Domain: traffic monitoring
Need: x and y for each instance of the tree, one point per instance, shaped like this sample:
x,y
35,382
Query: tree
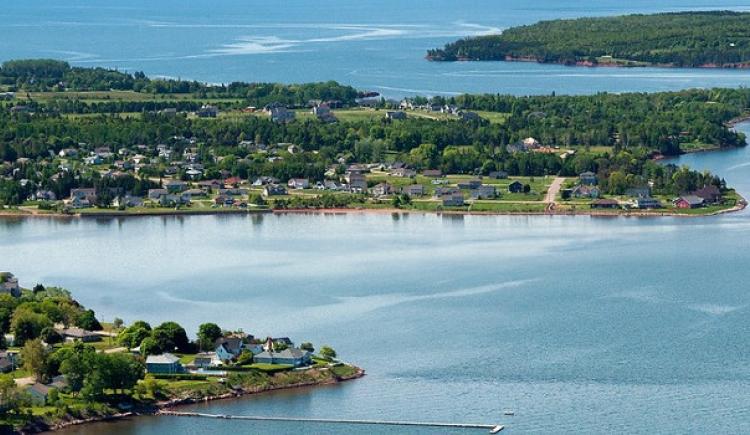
x,y
307,346
327,352
208,333
27,325
170,335
133,335
50,336
121,370
117,323
38,289
35,359
8,393
87,320
149,346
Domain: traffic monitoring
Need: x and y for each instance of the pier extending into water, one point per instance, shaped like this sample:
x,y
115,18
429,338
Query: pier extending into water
x,y
493,428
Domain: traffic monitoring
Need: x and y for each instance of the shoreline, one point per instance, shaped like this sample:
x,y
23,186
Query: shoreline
x,y
741,205
162,408
624,63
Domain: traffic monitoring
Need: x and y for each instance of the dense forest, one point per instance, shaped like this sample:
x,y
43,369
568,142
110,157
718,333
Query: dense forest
x,y
53,75
684,39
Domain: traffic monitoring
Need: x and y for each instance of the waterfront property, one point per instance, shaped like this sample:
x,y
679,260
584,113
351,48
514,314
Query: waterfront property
x,y
165,363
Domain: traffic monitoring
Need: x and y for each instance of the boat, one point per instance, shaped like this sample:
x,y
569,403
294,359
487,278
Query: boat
x,y
497,428
509,412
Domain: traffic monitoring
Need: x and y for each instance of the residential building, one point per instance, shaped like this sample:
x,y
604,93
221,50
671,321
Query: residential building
x,y
688,201
515,187
413,190
206,360
382,189
79,334
299,183
357,181
485,191
710,194
165,363
228,348
605,203
39,393
432,173
273,190
647,202
291,356
455,199
392,115
208,111
498,175
281,115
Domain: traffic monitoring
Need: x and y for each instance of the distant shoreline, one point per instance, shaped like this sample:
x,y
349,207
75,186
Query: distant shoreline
x,y
741,205
620,63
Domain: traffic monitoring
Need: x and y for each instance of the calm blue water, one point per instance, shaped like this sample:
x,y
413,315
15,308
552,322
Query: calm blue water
x,y
376,45
579,324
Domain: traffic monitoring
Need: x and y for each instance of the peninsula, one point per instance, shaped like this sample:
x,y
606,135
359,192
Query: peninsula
x,y
60,366
97,142
716,39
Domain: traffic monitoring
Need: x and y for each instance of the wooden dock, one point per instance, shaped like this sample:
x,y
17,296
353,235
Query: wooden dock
x,y
494,428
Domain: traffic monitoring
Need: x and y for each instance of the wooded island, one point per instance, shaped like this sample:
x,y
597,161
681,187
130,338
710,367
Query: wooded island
x,y
685,39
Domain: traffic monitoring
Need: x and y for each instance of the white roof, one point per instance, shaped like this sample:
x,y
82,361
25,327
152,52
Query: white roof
x,y
165,358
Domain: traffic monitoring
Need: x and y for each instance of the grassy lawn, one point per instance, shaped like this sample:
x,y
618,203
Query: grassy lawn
x,y
270,368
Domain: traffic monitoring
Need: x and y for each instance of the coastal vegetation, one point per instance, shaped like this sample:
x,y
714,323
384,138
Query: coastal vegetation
x,y
60,365
682,39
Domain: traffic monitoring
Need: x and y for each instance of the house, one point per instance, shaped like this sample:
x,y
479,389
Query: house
x,y
208,111
605,203
206,360
175,186
413,190
273,190
525,145
382,189
93,160
585,191
9,284
83,194
392,115
299,183
323,113
228,348
171,200
432,173
79,334
710,194
484,192
515,187
38,393
128,201
45,195
286,341
357,181
281,115
165,363
455,199
498,175
588,178
688,201
60,382
647,202
291,356
471,184
156,194
403,173
637,192
232,182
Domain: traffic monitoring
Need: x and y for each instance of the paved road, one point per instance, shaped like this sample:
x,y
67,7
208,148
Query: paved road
x,y
554,188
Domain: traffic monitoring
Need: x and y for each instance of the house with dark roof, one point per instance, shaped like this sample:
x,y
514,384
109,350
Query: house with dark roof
x,y
455,199
710,194
605,203
79,334
515,187
485,191
413,190
291,356
228,348
646,203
